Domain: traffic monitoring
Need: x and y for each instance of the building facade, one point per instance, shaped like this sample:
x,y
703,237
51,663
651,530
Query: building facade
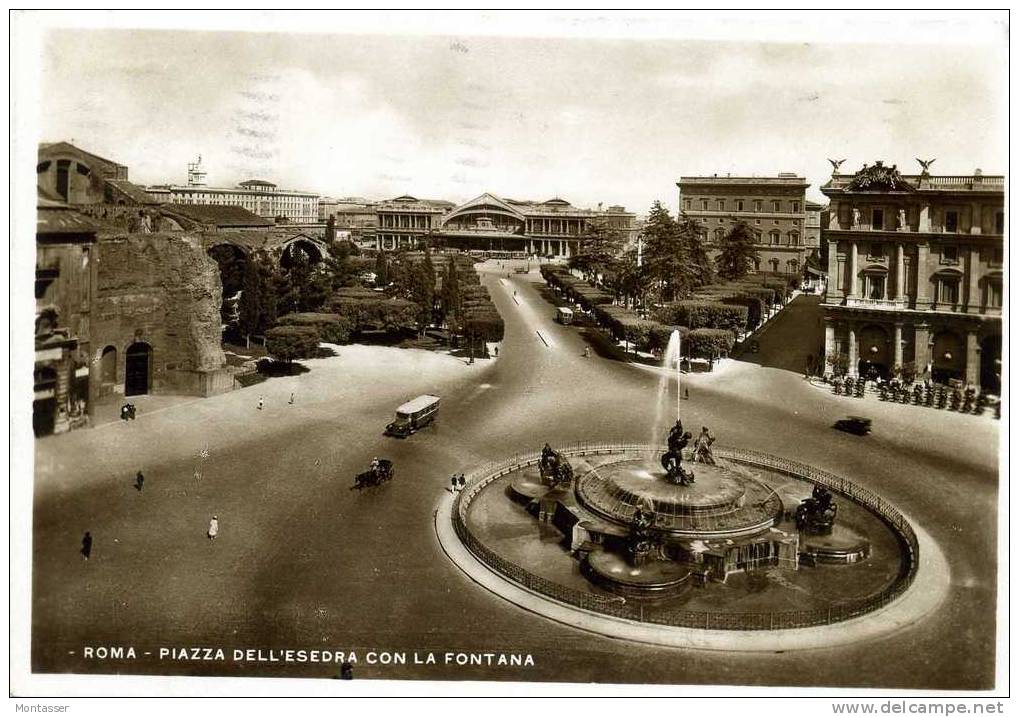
x,y
491,223
258,196
66,281
915,268
774,207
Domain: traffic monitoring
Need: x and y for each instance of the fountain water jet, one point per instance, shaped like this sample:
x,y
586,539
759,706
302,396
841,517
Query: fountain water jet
x,y
672,356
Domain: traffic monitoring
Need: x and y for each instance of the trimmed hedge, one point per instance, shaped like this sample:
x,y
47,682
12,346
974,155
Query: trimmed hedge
x,y
709,343
703,315
286,343
332,328
660,335
366,310
755,308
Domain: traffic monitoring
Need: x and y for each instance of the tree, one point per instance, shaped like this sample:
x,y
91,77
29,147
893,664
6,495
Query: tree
x,y
287,343
249,306
331,229
381,270
700,267
736,259
451,299
665,254
599,249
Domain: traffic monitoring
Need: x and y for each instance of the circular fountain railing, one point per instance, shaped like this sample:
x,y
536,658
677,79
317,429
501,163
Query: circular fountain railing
x,y
612,606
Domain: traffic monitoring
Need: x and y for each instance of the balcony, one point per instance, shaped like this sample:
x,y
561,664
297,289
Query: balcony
x,y
883,304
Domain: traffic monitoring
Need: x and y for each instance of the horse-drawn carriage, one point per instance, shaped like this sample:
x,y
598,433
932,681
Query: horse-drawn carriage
x,y
380,471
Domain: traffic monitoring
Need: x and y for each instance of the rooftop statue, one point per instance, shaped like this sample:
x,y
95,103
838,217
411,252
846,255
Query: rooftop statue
x,y
880,178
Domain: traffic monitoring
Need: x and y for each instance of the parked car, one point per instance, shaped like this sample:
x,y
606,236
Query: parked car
x,y
854,424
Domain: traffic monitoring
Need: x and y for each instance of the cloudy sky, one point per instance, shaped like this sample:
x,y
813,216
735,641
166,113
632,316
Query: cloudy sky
x,y
590,120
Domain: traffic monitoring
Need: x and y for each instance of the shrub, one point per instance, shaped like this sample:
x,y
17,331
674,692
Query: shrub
x,y
709,343
287,343
755,308
367,310
659,336
332,328
702,315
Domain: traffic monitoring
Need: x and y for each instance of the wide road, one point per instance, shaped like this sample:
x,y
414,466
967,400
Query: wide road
x,y
302,561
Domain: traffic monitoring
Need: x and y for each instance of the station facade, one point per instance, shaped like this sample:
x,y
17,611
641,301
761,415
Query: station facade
x,y
490,223
915,268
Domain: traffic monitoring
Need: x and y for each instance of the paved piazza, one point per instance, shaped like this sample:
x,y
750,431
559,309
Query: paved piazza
x,y
303,561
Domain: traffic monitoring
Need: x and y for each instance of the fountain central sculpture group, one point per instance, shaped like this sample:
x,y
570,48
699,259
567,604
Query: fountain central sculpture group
x,y
672,459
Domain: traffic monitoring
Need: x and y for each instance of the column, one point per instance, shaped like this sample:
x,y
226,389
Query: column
x,y
833,261
854,351
972,360
973,282
925,218
833,217
851,285
922,348
976,219
829,344
921,276
897,345
900,272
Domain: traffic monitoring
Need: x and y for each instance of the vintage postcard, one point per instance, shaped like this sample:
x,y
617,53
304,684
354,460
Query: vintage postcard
x,y
487,348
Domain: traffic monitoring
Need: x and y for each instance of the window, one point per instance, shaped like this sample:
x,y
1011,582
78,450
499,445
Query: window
x,y
948,290
876,250
757,205
686,204
875,284
794,238
994,294
773,235
999,222
739,206
757,221
720,204
877,219
998,256
719,234
704,204
950,255
796,207
951,221
757,237
776,206
774,265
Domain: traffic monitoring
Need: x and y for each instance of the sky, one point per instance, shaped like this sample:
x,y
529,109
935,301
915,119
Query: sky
x,y
613,121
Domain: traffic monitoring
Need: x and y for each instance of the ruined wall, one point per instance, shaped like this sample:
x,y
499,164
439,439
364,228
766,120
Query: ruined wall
x,y
164,290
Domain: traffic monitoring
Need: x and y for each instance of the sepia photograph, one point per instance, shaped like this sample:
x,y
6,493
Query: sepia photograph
x,y
489,350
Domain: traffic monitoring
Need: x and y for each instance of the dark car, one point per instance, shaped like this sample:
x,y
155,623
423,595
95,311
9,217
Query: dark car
x,y
854,424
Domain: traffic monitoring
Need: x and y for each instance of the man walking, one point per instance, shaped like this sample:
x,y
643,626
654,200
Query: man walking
x,y
213,528
453,483
86,545
139,481
261,402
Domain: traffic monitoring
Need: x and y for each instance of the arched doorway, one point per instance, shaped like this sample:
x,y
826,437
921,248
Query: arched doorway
x,y
948,357
108,366
138,369
875,354
990,364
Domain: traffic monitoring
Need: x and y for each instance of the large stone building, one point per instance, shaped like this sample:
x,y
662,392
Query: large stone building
x,y
915,274
774,207
258,196
127,290
491,223
66,280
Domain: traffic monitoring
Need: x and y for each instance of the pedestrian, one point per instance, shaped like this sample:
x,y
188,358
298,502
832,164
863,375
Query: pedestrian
x,y
453,482
139,481
291,399
686,394
261,402
213,528
497,352
86,545
463,482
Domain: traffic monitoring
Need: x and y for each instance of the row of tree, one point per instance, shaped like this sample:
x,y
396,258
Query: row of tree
x,y
670,263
